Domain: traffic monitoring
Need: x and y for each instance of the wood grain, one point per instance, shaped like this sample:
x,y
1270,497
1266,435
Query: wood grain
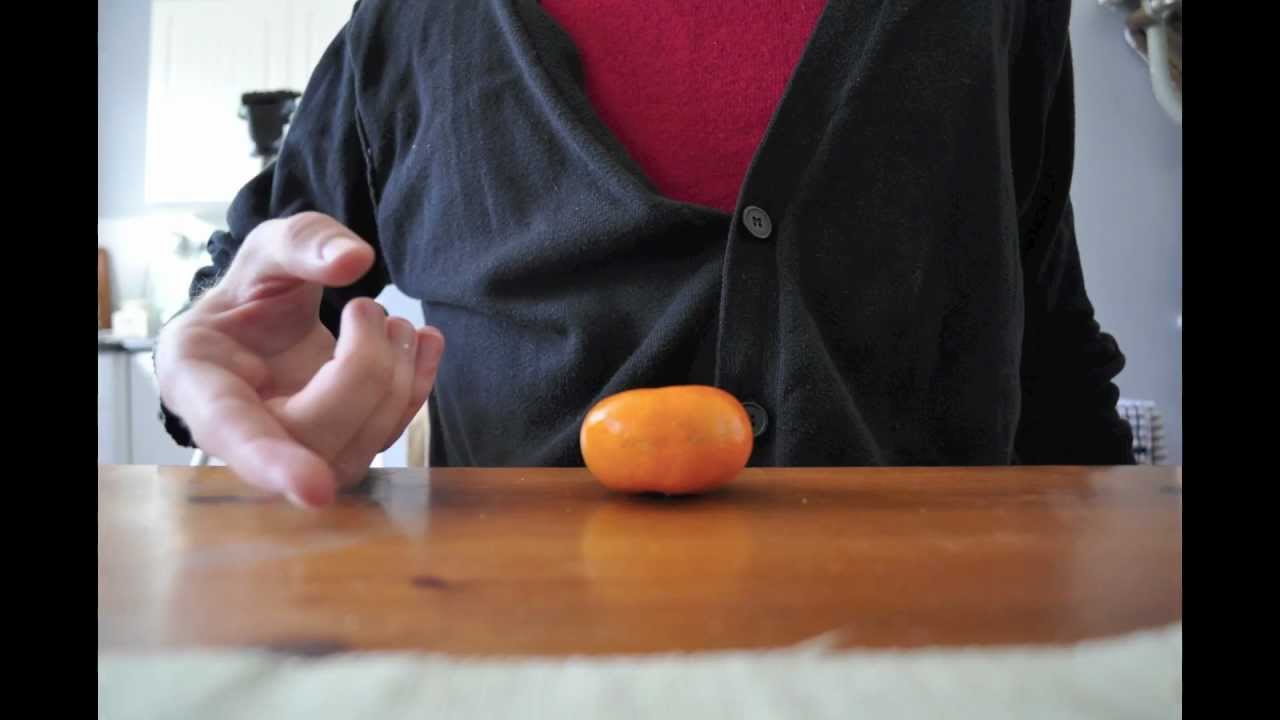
x,y
104,291
545,561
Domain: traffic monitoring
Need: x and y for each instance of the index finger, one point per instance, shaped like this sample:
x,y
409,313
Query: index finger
x,y
229,420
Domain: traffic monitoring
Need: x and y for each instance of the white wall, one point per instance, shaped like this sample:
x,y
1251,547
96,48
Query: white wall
x,y
1128,198
124,30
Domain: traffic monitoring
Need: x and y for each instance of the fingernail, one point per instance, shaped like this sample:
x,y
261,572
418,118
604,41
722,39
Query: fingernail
x,y
333,247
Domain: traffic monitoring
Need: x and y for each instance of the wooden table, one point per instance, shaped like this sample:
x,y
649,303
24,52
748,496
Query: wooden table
x,y
545,561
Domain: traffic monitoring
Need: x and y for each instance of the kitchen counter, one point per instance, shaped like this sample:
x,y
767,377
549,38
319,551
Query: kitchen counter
x,y
112,343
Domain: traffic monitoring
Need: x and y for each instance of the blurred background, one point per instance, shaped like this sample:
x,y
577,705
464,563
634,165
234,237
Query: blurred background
x,y
185,87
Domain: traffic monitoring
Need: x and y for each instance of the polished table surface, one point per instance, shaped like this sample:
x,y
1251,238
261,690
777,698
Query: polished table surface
x,y
548,562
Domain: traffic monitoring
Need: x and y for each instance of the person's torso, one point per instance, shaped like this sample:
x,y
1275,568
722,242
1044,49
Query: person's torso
x,y
864,292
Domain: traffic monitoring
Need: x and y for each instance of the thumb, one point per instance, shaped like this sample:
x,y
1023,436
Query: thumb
x,y
305,248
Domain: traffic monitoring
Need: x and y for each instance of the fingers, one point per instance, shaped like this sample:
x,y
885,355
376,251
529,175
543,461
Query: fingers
x,y
228,419
352,462
328,424
270,297
426,365
334,406
359,404
305,248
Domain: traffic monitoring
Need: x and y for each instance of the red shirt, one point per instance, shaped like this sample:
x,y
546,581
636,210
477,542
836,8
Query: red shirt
x,y
688,86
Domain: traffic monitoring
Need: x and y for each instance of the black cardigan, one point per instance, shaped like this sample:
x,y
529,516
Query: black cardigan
x,y
908,292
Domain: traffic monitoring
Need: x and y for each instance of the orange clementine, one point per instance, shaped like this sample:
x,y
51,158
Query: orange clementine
x,y
675,440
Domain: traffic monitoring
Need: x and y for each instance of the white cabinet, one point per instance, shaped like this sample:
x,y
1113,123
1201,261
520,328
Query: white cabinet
x,y
204,55
129,431
149,442
113,407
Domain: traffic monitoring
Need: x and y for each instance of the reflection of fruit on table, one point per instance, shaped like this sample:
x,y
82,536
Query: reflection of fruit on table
x,y
637,550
